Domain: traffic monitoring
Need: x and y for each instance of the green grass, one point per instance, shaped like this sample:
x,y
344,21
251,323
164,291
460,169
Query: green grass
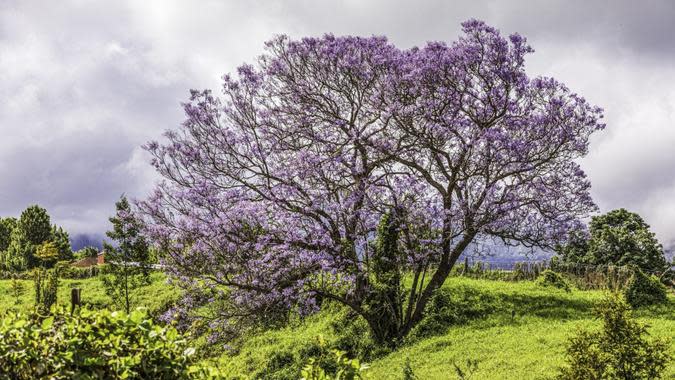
x,y
528,346
515,330
155,296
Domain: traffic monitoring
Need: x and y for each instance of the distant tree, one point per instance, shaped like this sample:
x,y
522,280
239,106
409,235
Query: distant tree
x,y
127,261
35,225
47,254
576,247
20,253
619,237
32,229
7,225
86,252
61,240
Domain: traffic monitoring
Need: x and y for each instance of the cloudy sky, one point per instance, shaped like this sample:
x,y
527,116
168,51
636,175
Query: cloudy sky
x,y
84,83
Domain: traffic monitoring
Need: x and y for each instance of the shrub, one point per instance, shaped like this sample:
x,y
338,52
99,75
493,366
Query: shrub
x,y
101,345
452,307
408,372
619,351
550,278
644,290
342,368
46,289
66,270
353,337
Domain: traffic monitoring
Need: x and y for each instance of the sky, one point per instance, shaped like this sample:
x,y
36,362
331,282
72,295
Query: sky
x,y
83,84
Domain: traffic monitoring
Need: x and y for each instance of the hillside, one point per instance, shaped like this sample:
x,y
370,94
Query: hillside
x,y
528,346
514,330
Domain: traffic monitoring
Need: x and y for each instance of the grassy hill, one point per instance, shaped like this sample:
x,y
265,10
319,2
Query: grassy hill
x,y
156,296
514,330
527,345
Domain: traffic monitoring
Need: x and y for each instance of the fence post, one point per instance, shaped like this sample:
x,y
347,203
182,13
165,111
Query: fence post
x,y
75,299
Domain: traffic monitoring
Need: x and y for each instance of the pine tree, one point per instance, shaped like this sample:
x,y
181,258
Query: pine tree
x,y
62,242
7,225
35,225
127,260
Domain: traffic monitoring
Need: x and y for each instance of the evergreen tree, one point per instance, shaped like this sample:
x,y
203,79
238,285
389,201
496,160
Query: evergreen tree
x,y
128,260
7,225
61,240
35,225
20,253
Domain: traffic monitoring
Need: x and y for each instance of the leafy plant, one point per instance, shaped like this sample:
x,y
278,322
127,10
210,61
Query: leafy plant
x,y
408,372
550,278
619,351
46,289
95,345
347,369
644,290
17,288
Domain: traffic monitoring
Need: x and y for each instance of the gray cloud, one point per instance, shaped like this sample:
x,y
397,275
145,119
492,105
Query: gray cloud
x,y
85,83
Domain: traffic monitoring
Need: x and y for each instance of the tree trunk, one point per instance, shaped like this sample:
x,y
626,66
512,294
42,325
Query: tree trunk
x,y
448,261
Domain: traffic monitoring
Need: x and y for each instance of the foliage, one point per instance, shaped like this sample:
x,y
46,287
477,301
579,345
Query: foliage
x,y
94,345
342,367
126,266
384,305
20,253
35,225
619,237
575,248
353,336
67,270
18,289
644,290
276,191
61,240
619,351
47,254
452,307
46,289
86,252
32,234
553,279
7,225
408,372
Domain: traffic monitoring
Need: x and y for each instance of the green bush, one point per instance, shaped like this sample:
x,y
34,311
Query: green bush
x,y
644,290
619,351
332,365
67,270
452,307
94,345
46,289
550,278
353,337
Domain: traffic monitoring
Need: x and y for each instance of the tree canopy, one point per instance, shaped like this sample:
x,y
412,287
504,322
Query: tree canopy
x,y
21,239
619,237
275,190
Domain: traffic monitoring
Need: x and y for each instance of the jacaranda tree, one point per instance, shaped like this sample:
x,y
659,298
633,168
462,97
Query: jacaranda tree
x,y
272,194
